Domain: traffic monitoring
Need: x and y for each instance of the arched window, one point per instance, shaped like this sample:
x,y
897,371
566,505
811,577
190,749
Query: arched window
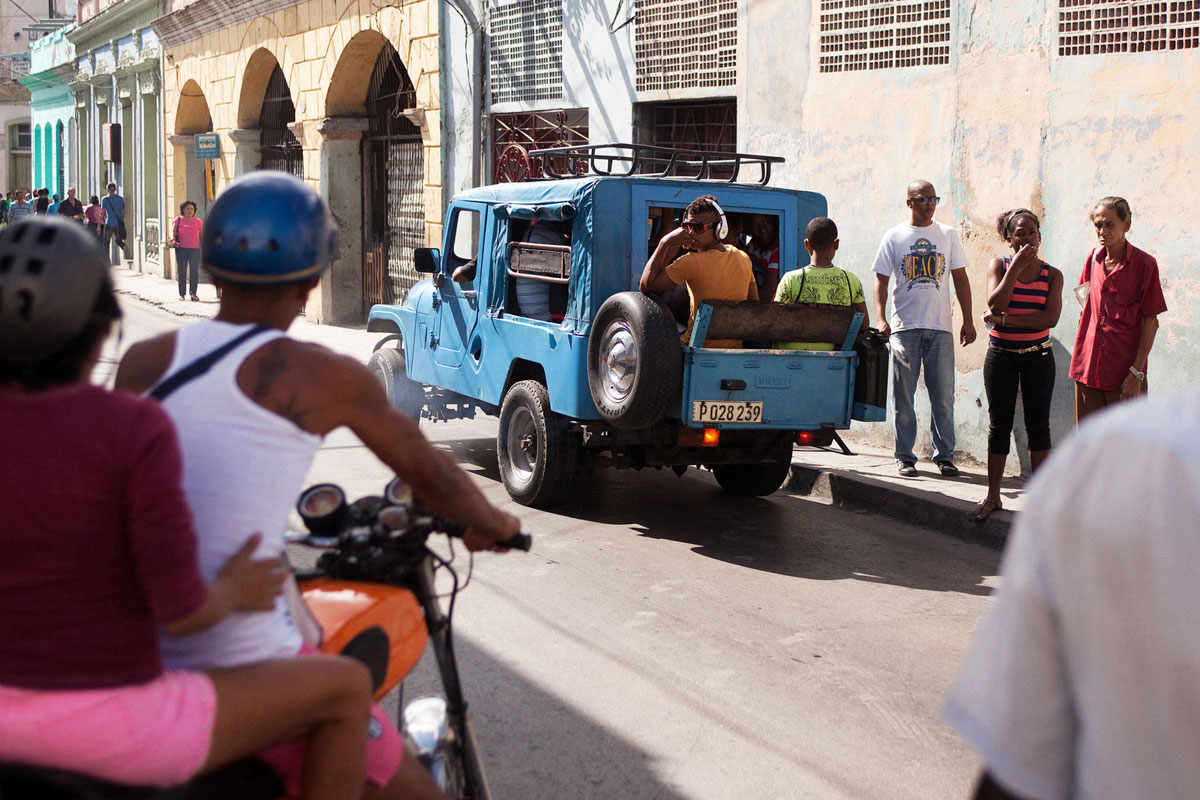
x,y
280,148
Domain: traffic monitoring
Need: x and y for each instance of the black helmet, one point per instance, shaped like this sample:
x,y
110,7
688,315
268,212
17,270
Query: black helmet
x,y
268,227
51,272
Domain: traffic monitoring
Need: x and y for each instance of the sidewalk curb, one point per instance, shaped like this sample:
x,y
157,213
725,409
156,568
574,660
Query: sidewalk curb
x,y
944,514
160,305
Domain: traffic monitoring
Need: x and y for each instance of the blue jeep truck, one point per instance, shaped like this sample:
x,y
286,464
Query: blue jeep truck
x,y
604,378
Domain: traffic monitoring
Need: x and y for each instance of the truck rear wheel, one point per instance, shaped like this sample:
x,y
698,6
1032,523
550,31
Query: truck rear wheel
x,y
635,361
403,393
752,480
537,452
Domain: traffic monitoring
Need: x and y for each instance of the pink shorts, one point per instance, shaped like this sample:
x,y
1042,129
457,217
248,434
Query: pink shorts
x,y
152,734
385,746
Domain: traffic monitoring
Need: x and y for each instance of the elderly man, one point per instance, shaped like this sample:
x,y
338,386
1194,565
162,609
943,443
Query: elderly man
x,y
71,208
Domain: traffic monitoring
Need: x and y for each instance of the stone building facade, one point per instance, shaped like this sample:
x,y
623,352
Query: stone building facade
x,y
117,116
342,93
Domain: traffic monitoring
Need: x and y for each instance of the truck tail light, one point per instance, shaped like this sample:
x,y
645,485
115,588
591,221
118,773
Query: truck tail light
x,y
705,437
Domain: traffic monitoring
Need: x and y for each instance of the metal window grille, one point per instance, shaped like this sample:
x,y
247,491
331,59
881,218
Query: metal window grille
x,y
281,149
1092,27
883,34
526,51
514,135
394,183
686,44
709,125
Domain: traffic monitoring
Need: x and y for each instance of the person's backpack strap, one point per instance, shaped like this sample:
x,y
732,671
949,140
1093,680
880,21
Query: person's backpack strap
x,y
201,365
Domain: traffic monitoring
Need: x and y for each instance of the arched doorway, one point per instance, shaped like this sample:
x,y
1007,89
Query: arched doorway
x,y
393,183
195,178
279,146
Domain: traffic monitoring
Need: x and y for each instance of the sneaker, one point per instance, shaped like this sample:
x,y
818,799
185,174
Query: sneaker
x,y
908,469
948,469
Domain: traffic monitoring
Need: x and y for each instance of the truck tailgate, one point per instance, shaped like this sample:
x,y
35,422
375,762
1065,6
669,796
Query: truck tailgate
x,y
767,389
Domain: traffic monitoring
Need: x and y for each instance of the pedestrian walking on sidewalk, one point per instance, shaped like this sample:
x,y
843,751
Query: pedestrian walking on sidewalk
x,y
94,216
185,238
1122,298
71,208
114,221
1024,302
923,256
20,208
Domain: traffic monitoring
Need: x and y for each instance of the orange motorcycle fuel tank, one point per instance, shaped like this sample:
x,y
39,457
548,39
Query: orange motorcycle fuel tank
x,y
382,626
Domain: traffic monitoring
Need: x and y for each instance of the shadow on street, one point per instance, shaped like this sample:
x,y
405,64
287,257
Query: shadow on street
x,y
535,746
783,534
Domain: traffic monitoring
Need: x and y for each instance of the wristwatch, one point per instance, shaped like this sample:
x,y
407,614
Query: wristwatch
x,y
1141,376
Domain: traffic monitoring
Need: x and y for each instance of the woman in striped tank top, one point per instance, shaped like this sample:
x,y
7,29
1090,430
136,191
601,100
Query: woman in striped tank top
x,y
1024,302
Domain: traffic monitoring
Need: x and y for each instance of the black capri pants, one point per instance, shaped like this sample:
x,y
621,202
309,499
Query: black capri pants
x,y
1004,372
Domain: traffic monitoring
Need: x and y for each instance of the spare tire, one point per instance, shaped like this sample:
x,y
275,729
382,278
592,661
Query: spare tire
x,y
635,360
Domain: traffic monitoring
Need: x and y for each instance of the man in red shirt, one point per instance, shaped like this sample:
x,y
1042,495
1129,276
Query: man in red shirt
x,y
1120,314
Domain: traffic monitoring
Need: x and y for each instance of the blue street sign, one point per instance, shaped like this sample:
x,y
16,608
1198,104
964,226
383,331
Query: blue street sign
x,y
208,145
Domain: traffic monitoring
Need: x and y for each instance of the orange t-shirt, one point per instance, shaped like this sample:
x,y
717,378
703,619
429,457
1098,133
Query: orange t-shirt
x,y
713,275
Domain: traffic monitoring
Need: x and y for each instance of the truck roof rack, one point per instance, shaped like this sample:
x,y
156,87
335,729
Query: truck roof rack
x,y
623,159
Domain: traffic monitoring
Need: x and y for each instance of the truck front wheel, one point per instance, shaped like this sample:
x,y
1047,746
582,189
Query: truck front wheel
x,y
752,480
403,393
538,453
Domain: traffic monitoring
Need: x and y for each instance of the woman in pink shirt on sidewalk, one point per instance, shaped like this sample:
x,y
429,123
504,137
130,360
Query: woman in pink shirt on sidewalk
x,y
185,238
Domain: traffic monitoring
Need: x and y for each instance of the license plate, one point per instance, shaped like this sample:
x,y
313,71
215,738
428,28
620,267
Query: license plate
x,y
709,411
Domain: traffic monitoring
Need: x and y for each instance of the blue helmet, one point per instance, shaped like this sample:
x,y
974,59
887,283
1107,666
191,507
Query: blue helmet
x,y
268,228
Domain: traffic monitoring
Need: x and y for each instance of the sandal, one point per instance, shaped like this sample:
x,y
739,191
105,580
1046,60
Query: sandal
x,y
985,509
195,298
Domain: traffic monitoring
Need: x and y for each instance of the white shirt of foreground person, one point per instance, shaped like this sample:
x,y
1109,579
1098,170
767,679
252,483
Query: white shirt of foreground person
x,y
1084,678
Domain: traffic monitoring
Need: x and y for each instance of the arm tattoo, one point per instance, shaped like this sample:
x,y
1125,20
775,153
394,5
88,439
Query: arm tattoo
x,y
268,392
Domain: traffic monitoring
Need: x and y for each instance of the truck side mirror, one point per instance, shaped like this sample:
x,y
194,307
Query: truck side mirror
x,y
427,259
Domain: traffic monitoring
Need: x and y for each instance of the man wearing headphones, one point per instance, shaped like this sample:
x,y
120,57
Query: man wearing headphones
x,y
712,271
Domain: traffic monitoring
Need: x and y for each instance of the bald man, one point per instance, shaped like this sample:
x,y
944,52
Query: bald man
x,y
923,256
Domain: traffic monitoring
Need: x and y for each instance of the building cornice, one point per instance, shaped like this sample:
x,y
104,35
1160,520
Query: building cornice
x,y
114,22
209,16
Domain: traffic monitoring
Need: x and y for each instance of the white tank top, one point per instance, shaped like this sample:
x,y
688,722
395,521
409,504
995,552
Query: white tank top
x,y
243,468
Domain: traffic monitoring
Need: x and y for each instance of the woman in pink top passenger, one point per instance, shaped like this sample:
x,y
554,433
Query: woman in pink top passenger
x,y
185,238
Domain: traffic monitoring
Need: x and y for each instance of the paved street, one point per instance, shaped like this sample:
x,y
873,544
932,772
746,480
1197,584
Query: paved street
x,y
663,640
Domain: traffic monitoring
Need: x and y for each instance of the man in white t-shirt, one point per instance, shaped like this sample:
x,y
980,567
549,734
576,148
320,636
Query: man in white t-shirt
x,y
1084,678
923,256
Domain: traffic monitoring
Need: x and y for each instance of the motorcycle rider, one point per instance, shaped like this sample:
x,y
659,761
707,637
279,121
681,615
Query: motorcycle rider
x,y
97,550
252,424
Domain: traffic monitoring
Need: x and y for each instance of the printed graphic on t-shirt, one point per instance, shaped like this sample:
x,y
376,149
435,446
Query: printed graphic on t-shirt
x,y
826,286
924,265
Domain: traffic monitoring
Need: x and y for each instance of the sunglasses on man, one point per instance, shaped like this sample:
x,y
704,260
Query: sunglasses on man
x,y
698,227
921,199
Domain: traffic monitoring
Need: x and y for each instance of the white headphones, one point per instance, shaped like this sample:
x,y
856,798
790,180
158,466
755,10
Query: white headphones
x,y
723,225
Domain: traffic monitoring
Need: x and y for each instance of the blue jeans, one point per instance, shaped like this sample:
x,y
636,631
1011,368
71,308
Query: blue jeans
x,y
935,351
186,257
